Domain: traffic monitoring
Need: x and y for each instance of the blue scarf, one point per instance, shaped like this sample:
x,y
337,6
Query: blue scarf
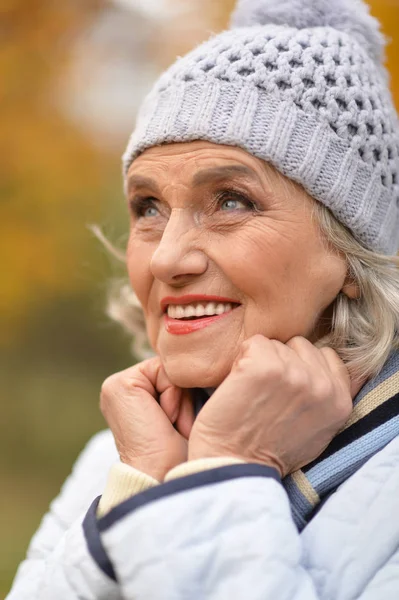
x,y
374,423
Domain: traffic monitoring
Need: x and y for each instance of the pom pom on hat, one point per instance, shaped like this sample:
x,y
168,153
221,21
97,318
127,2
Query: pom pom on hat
x,y
350,16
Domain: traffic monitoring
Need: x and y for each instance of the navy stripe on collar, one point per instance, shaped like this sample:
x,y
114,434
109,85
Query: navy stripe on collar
x,y
184,484
378,416
94,543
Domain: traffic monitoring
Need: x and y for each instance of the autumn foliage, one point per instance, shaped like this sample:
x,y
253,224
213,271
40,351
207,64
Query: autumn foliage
x,y
51,174
56,344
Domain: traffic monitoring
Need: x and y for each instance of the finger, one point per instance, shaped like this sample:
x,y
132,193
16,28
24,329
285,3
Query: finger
x,y
356,384
186,417
308,353
149,370
283,351
326,357
260,347
287,355
170,401
170,395
336,366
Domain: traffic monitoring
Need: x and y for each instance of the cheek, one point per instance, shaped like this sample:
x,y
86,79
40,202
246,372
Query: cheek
x,y
138,260
258,261
283,269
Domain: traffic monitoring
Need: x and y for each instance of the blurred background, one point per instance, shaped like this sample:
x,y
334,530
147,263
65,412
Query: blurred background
x,y
72,75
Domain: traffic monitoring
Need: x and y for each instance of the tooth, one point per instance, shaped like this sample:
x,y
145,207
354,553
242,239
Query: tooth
x,y
179,312
176,311
199,311
189,311
210,308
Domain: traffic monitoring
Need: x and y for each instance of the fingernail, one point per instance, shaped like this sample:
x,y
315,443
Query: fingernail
x,y
174,416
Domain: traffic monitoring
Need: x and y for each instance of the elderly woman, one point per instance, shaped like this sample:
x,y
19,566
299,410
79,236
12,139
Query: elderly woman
x,y
256,453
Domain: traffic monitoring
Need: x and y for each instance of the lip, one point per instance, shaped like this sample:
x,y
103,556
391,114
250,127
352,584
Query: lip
x,y
177,327
190,298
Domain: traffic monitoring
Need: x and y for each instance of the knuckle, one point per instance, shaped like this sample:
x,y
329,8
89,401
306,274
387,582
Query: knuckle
x,y
108,386
275,370
129,382
323,388
296,341
253,343
248,365
344,408
297,379
246,345
258,370
330,352
111,390
240,363
258,338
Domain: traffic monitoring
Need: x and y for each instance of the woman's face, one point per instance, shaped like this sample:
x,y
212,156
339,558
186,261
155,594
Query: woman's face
x,y
216,230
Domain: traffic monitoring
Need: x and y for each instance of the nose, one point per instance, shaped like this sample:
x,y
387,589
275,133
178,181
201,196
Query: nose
x,y
178,258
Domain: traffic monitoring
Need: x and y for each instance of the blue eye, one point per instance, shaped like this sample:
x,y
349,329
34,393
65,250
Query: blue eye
x,y
150,211
144,207
232,204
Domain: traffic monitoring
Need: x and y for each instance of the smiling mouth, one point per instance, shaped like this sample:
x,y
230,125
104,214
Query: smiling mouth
x,y
199,310
182,319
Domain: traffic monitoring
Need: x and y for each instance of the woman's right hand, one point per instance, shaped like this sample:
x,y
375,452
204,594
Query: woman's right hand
x,y
281,405
149,417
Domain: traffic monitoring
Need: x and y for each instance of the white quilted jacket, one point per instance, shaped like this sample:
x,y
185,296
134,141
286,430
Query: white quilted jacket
x,y
222,534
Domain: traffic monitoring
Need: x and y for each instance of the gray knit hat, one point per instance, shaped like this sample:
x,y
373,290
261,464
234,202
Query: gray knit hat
x,y
300,84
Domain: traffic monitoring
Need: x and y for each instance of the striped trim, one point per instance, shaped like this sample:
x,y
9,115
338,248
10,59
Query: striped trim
x,y
373,399
94,543
373,423
390,368
328,472
383,413
300,506
305,487
185,484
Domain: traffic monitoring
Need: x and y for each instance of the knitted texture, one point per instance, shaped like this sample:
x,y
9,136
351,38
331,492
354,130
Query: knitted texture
x,y
352,17
373,423
311,100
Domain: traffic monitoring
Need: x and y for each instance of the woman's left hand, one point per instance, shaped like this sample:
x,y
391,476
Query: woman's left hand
x,y
280,405
149,417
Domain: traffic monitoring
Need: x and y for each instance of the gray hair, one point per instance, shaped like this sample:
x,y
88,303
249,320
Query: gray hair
x,y
363,330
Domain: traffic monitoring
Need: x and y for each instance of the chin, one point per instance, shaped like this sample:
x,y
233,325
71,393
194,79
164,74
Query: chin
x,y
190,372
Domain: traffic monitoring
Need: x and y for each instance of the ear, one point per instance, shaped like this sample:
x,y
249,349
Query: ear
x,y
351,288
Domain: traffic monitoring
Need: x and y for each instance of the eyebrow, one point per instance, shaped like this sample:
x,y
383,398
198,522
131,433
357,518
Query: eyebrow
x,y
217,173
201,178
141,182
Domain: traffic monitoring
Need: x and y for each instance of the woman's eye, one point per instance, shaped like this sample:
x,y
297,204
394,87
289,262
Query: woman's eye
x,y
232,202
144,207
150,211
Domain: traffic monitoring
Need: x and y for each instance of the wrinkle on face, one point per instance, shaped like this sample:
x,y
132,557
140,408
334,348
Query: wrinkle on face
x,y
272,260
